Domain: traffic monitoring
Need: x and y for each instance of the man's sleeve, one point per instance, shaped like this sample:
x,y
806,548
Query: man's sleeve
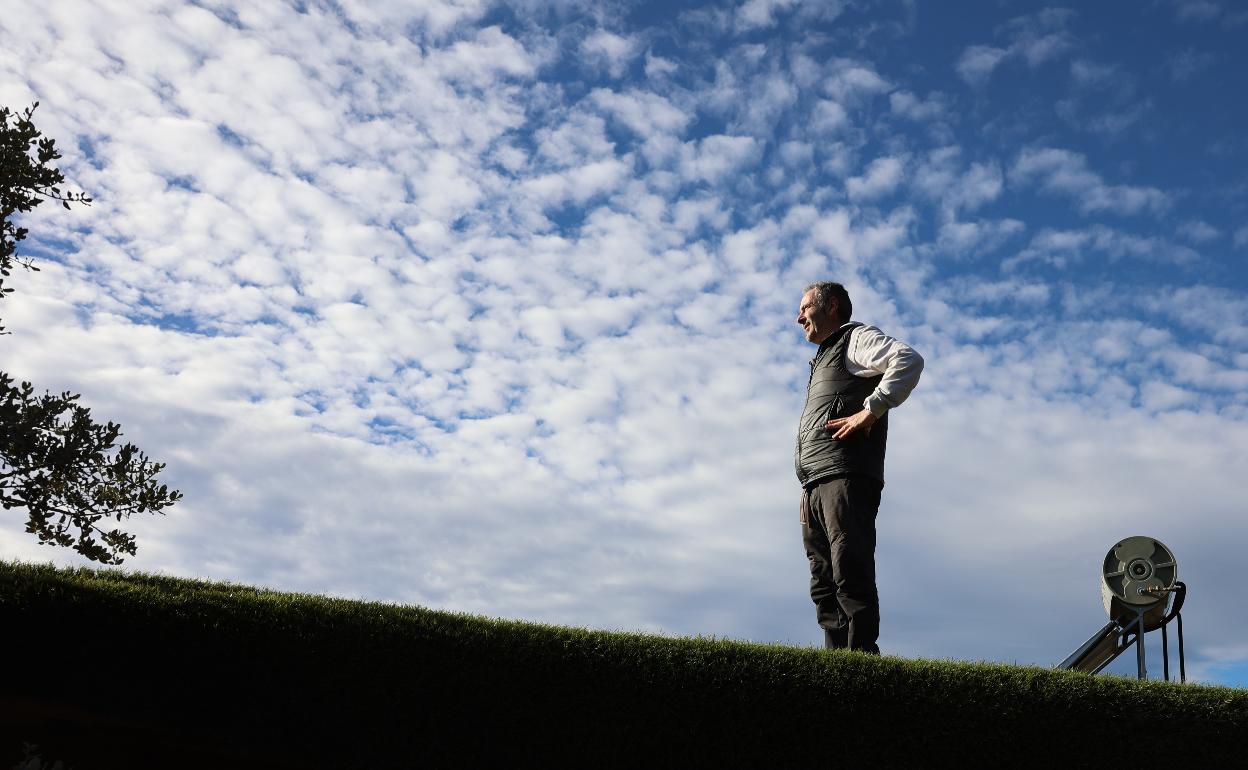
x,y
872,351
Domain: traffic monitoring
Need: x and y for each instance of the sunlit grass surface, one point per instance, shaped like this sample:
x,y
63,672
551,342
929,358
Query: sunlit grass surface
x,y
115,669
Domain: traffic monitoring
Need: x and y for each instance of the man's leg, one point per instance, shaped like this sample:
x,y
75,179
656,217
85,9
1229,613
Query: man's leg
x,y
849,507
822,581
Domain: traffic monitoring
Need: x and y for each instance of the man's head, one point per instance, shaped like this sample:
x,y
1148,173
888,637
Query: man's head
x,y
824,307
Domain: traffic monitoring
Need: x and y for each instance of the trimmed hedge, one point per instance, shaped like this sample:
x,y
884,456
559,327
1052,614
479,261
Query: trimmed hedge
x,y
114,669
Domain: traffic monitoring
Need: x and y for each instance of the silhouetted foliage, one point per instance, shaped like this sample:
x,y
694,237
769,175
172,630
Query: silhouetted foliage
x,y
55,461
25,181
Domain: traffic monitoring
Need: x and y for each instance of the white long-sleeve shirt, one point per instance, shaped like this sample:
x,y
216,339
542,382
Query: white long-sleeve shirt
x,y
871,352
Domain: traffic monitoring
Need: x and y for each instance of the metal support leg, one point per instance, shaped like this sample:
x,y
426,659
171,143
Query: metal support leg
x,y
1165,652
1139,646
1182,667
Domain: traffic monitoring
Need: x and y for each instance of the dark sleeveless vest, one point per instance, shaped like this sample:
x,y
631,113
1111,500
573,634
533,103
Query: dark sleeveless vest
x,y
834,392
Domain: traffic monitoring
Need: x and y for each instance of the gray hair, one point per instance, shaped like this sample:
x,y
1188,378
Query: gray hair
x,y
826,291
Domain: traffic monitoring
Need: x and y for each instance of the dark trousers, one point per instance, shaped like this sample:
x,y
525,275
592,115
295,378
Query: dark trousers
x,y
838,530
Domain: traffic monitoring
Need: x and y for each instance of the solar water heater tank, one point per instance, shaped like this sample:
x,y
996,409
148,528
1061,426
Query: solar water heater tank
x,y
1141,592
1138,576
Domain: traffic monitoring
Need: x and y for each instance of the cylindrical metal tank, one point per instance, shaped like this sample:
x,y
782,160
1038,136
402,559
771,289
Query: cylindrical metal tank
x,y
1138,577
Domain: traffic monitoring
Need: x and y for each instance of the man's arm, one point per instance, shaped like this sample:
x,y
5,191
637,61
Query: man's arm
x,y
871,351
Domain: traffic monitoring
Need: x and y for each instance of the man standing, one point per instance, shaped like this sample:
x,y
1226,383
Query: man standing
x,y
856,377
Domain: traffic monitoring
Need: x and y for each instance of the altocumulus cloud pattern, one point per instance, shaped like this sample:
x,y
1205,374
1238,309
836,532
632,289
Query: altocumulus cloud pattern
x,y
489,306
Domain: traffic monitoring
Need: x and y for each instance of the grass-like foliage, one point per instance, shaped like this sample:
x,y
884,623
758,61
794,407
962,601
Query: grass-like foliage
x,y
113,669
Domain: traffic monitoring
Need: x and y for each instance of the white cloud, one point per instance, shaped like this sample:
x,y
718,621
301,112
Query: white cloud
x,y
1104,99
880,178
615,52
971,238
1013,291
1219,314
850,80
977,62
1066,247
829,116
1066,173
657,66
980,184
941,178
1199,231
713,157
1196,10
852,243
1159,396
1240,238
797,153
578,184
907,105
761,14
1187,63
480,61
643,112
1116,122
768,98
1036,39
1045,48
579,138
438,17
1042,35
1091,74
938,172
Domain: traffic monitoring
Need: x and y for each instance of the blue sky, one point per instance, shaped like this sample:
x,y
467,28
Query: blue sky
x,y
488,306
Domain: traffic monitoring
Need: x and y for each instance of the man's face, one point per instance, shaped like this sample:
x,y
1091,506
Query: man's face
x,y
818,322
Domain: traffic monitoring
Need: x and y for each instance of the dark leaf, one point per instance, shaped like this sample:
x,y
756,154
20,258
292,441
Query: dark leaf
x,y
57,463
